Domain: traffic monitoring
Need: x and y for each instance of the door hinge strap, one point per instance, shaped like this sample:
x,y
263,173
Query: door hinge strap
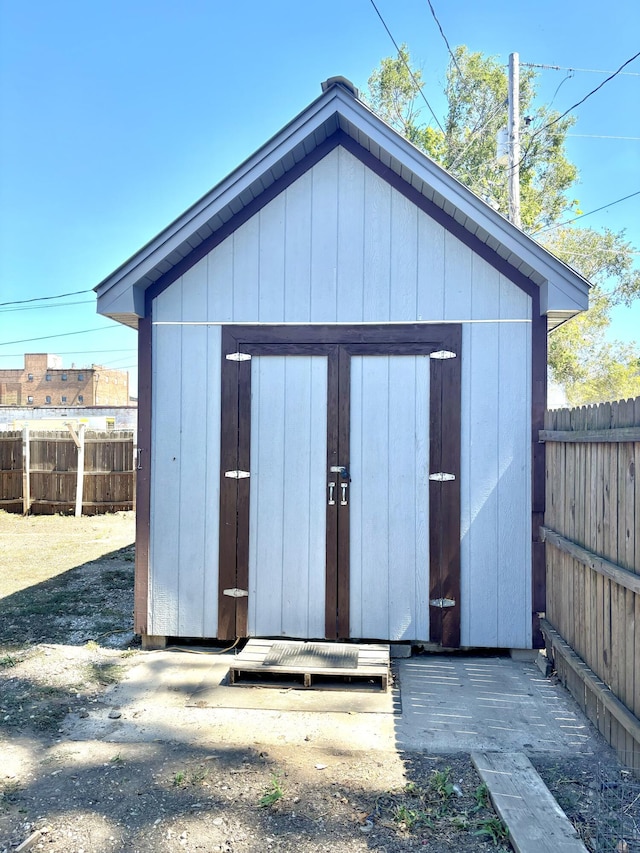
x,y
237,475
441,477
442,602
441,353
238,356
236,593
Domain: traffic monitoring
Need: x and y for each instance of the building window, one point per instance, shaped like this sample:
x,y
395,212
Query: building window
x,y
64,377
48,377
80,398
30,377
63,399
81,377
29,399
47,399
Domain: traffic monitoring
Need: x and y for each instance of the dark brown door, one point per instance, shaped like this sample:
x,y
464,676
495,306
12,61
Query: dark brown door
x,y
291,397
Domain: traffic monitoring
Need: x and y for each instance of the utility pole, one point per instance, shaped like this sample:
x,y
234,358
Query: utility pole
x,y
514,139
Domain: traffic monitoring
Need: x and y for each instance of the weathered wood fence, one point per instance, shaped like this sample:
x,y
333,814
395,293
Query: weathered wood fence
x,y
45,472
592,526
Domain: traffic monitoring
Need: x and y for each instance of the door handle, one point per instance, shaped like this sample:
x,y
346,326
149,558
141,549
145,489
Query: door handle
x,y
343,500
332,500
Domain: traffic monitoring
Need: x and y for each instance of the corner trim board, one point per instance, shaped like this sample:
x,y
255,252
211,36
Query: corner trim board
x,y
143,479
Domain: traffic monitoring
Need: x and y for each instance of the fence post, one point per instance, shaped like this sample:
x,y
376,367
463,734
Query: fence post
x,y
80,480
26,475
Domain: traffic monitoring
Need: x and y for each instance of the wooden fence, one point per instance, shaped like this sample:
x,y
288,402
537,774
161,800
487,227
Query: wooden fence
x,y
42,472
592,526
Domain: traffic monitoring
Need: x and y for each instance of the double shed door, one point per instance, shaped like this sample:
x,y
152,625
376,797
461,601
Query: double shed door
x,y
334,521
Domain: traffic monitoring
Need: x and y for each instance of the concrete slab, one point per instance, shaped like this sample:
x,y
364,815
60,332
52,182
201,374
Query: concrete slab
x,y
158,702
471,704
439,704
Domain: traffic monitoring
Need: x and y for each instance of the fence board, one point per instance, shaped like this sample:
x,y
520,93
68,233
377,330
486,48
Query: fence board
x,y
109,482
592,532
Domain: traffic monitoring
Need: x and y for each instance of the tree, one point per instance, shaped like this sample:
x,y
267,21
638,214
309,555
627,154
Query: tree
x,y
581,359
590,367
476,92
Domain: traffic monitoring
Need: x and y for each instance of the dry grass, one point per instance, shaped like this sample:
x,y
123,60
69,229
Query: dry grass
x,y
37,548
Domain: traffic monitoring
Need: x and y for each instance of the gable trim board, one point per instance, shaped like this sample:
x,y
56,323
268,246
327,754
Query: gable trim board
x,y
121,295
339,138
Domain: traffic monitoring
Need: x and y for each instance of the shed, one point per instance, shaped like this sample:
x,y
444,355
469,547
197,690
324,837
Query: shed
x,y
342,356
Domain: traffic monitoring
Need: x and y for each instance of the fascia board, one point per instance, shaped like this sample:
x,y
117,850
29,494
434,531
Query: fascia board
x,y
337,102
554,298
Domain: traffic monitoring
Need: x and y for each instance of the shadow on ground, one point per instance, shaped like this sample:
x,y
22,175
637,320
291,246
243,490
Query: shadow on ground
x,y
164,796
87,602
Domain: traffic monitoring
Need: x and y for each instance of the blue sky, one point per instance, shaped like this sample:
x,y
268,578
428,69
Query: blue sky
x,y
116,115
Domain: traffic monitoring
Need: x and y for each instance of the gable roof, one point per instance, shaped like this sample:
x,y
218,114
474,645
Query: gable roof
x,y
338,114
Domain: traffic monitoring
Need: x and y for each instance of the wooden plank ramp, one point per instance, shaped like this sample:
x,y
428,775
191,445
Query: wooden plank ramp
x,y
311,664
535,821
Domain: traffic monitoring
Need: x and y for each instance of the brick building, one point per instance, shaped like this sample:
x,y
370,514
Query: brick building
x,y
44,382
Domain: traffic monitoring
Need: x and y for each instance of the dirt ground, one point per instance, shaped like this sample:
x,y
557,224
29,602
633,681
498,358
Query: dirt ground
x,y
66,597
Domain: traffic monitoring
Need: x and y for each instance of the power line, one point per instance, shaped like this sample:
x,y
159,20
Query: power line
x,y
582,215
566,251
39,307
593,91
577,104
73,352
61,335
415,82
601,136
42,298
585,70
446,41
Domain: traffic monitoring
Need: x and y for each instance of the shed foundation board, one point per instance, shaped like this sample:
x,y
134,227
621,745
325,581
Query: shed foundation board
x,y
535,821
312,663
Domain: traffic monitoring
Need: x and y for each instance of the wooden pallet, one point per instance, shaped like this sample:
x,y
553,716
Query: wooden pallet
x,y
311,664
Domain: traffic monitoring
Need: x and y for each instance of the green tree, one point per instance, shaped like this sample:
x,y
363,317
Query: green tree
x,y
581,359
589,366
476,92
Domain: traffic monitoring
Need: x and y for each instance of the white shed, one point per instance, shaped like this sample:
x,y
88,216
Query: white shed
x,y
342,360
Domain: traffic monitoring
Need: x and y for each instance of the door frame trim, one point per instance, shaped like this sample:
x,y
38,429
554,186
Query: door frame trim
x,y
444,455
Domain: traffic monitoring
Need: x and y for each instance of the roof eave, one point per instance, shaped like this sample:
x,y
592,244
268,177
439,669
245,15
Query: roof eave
x,y
121,295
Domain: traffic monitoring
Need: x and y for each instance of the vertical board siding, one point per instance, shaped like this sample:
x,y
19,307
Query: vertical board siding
x,y
164,578
592,500
389,550
186,467
514,484
341,245
288,489
403,259
192,432
210,461
297,267
430,272
496,451
480,459
377,248
324,246
271,280
352,255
